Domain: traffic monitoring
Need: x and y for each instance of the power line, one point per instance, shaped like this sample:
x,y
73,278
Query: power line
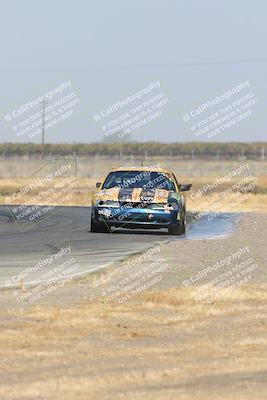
x,y
131,67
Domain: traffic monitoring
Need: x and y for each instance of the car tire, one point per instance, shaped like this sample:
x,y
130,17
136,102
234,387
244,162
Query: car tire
x,y
99,227
184,225
179,228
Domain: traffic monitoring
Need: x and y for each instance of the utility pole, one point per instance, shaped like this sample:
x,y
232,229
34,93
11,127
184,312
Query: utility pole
x,y
76,163
43,125
142,151
262,154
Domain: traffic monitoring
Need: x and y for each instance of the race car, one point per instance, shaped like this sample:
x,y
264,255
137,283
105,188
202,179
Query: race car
x,y
139,198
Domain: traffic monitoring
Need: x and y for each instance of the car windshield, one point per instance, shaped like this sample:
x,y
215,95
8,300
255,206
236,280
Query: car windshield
x,y
149,180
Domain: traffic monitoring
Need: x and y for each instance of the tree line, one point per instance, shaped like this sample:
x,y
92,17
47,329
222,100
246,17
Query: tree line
x,y
184,150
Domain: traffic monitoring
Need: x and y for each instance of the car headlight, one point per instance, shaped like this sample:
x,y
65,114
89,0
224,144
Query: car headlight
x,y
173,206
106,203
170,206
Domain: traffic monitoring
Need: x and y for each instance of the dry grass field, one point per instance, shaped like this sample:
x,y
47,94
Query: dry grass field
x,y
162,345
13,177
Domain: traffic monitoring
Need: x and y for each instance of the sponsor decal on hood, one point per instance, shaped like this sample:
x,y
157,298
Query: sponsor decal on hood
x,y
124,195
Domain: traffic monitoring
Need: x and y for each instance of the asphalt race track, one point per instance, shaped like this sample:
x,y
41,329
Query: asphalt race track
x,y
69,226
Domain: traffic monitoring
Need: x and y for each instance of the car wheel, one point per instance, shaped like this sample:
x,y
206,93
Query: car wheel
x,y
99,227
184,225
177,229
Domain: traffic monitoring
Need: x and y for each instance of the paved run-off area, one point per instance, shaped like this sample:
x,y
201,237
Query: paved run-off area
x,y
161,343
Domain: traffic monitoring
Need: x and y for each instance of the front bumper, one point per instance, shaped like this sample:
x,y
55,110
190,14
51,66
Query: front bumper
x,y
135,218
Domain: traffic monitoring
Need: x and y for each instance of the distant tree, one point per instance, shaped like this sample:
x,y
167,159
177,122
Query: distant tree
x,y
119,137
128,147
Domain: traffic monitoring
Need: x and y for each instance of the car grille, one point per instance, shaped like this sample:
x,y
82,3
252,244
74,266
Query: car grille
x,y
140,205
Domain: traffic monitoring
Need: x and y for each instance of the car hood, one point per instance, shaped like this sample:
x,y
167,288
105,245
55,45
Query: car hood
x,y
133,195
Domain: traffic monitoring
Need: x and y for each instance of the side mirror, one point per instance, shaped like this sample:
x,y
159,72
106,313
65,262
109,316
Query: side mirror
x,y
98,184
185,188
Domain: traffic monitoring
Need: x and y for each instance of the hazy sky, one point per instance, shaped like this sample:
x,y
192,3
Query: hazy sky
x,y
110,50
